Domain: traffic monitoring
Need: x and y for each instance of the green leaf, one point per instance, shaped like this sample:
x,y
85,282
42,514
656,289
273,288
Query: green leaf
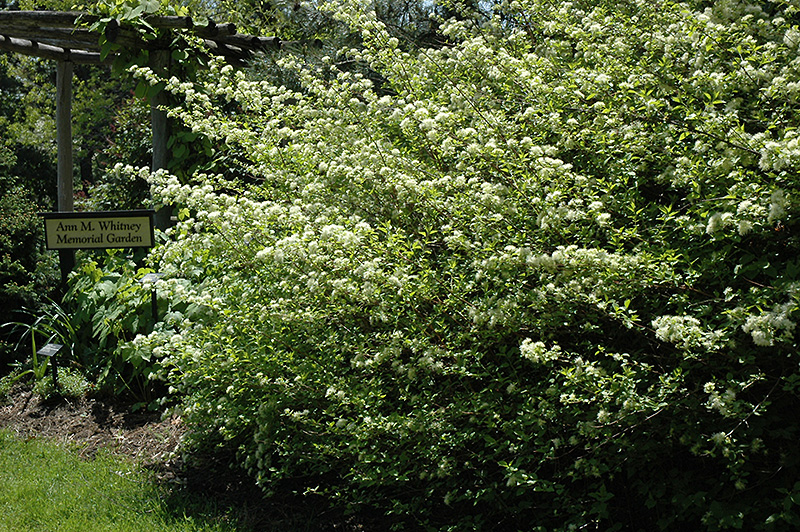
x,y
179,151
151,6
141,90
179,55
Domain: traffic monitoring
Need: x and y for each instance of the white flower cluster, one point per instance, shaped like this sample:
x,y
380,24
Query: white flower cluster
x,y
687,333
781,154
538,352
723,402
771,326
757,208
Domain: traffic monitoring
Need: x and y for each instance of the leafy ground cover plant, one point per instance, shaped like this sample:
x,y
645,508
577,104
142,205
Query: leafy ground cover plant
x,y
51,325
28,275
112,305
545,278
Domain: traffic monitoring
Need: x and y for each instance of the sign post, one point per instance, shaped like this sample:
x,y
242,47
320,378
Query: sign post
x,y
66,197
152,278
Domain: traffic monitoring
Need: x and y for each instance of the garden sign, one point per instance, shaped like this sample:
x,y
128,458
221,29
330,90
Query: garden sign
x,y
99,230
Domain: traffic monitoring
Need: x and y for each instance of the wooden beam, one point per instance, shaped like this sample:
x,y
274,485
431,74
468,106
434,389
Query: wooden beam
x,y
59,37
63,36
46,51
36,33
169,22
213,29
71,19
71,45
52,19
228,51
159,63
66,194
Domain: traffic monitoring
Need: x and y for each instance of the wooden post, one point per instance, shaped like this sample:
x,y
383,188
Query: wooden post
x,y
66,201
159,62
66,196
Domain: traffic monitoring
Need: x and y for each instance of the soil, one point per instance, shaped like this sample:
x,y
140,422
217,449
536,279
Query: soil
x,y
88,425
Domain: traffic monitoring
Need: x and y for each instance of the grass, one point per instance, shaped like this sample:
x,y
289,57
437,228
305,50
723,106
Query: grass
x,y
46,487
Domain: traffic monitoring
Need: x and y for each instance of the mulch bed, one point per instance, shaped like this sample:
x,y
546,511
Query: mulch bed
x,y
89,424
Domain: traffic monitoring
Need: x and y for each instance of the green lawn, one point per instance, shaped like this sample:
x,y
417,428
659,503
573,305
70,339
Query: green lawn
x,y
46,487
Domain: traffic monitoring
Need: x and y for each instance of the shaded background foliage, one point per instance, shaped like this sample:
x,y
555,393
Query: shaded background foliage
x,y
27,183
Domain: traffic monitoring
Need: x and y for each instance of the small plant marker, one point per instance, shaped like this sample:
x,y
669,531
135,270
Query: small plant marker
x,y
50,351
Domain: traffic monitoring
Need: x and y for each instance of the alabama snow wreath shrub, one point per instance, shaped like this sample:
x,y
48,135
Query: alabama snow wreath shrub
x,y
542,275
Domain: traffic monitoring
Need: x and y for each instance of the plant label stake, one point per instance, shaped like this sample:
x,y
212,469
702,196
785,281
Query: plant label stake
x,y
50,351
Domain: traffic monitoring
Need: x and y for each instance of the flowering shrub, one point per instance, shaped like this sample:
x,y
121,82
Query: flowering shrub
x,y
544,277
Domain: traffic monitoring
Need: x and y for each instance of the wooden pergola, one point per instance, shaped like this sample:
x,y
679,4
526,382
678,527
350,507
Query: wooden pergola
x,y
64,37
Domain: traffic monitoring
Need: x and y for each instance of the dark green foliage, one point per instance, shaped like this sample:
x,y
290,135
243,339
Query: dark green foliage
x,y
27,274
110,307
